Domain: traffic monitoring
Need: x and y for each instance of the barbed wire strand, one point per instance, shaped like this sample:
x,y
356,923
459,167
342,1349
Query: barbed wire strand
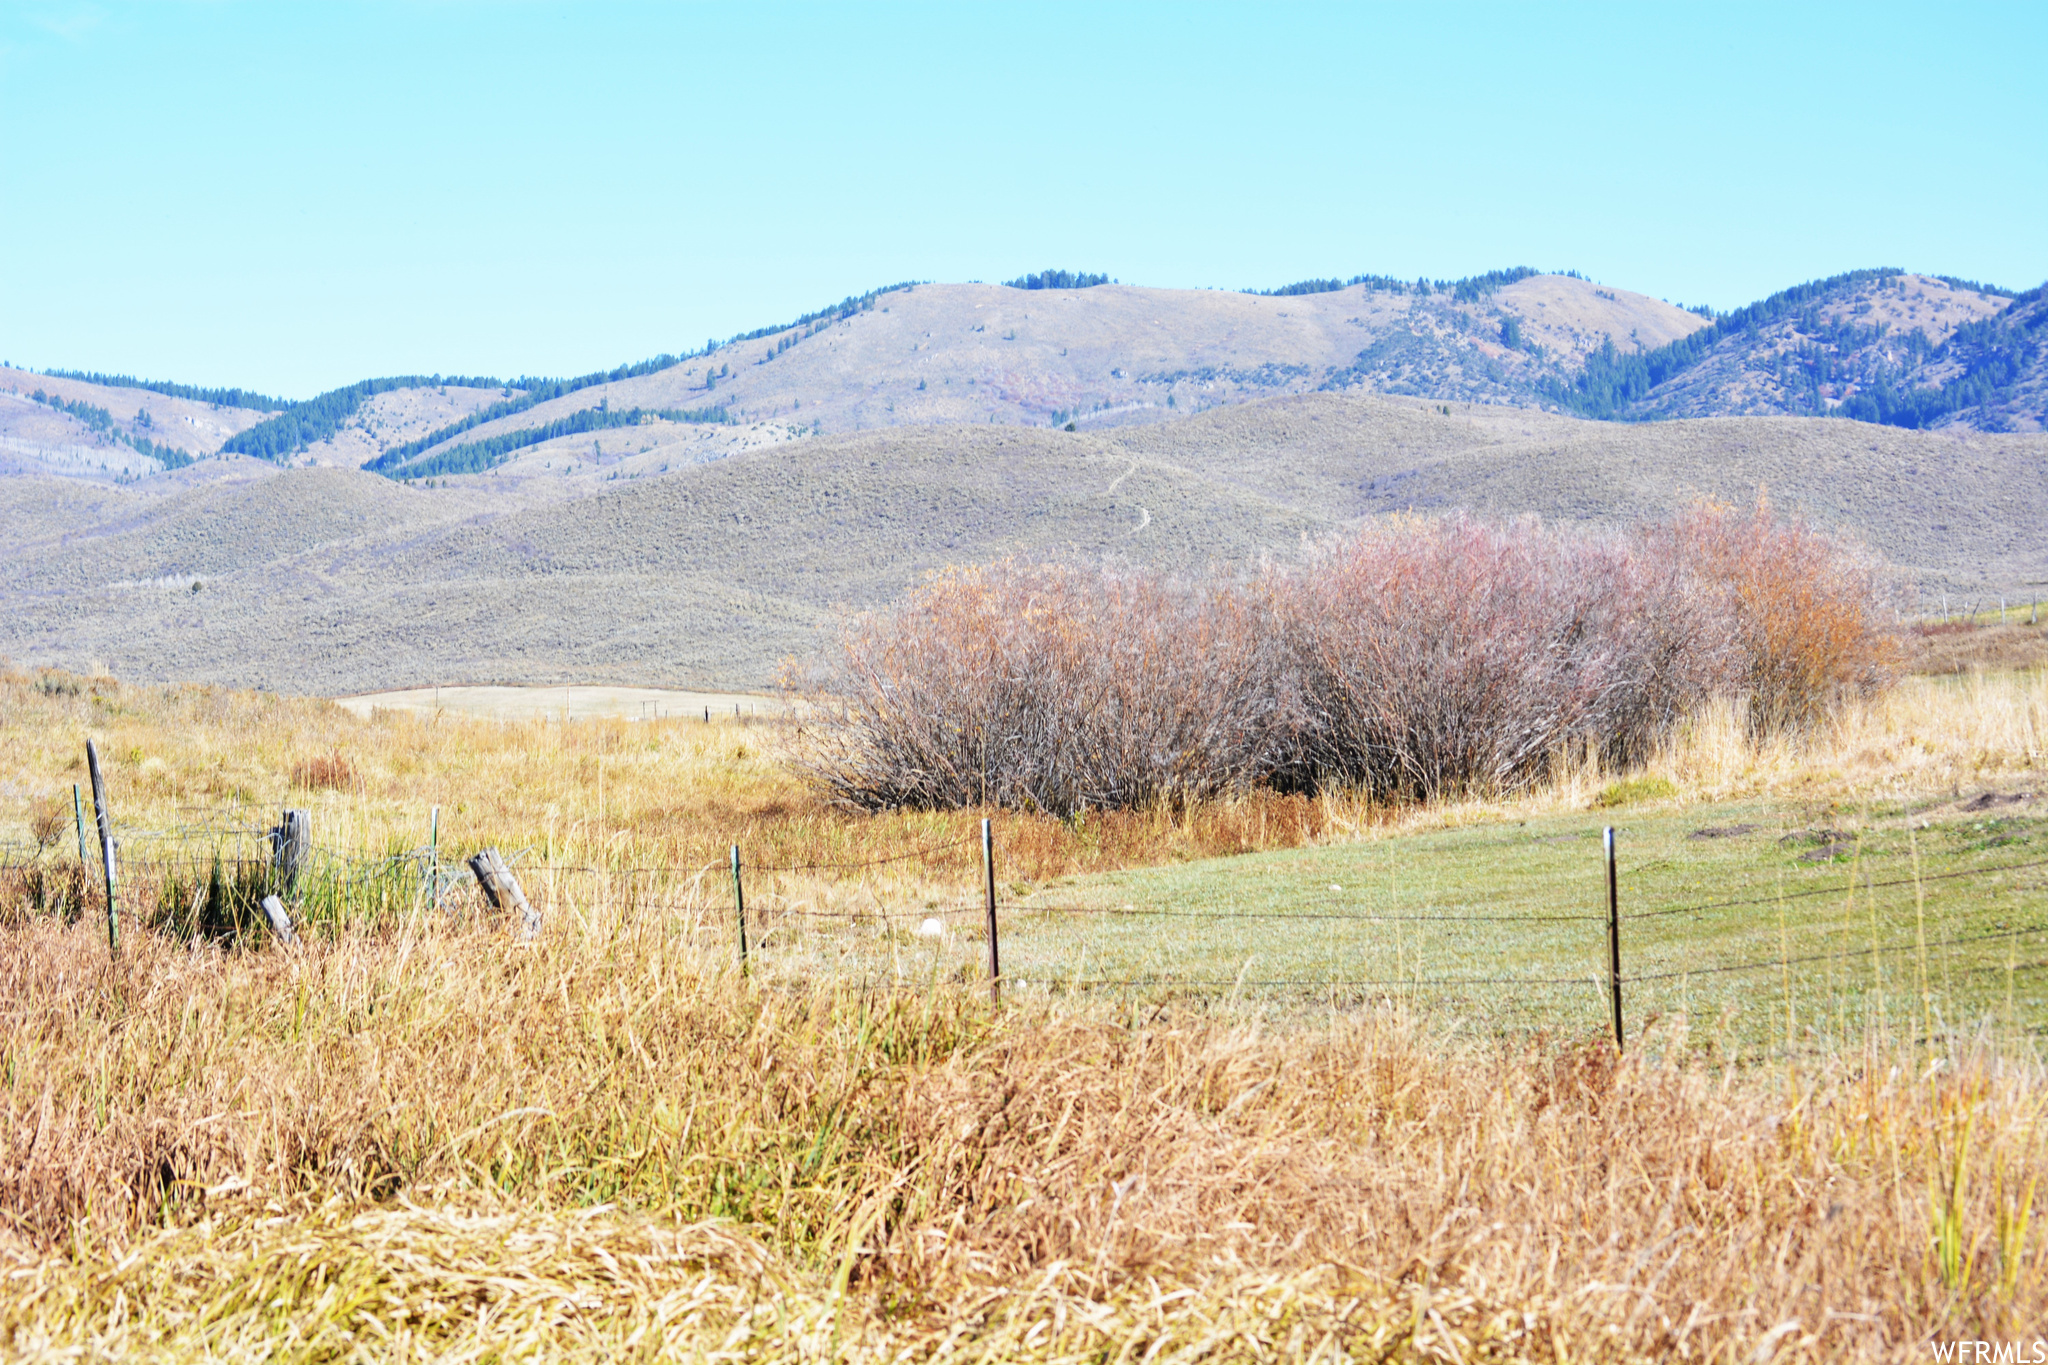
x,y
1836,890
1364,918
1840,955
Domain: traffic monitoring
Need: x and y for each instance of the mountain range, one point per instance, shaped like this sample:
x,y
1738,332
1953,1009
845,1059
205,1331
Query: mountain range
x,y
697,519
1885,346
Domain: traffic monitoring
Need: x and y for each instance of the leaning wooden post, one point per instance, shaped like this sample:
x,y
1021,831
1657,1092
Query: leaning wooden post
x,y
502,889
739,904
280,922
988,869
105,819
1614,938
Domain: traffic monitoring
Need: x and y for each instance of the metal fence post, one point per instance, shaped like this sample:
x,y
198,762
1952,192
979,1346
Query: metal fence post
x,y
988,867
1614,938
105,818
78,814
739,904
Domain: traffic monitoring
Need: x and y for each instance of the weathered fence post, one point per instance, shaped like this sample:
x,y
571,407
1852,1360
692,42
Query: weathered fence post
x,y
280,922
290,841
105,820
78,815
988,868
739,904
1614,938
502,889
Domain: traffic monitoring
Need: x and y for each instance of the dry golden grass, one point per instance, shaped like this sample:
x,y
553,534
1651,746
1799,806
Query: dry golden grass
x,y
1960,647
613,794
437,1146
413,1140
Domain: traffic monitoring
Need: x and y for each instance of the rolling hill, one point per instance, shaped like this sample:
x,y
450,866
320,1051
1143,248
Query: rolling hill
x,y
1879,346
327,579
695,519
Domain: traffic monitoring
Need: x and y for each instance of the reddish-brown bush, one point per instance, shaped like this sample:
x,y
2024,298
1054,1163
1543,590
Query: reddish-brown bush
x,y
1809,617
1439,656
329,771
1412,658
1047,687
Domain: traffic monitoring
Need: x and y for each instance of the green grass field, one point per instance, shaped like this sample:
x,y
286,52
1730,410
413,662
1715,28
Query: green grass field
x,y
1503,926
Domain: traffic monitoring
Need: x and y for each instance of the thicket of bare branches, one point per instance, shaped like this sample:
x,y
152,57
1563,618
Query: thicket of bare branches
x,y
1047,687
1412,658
1810,617
1456,655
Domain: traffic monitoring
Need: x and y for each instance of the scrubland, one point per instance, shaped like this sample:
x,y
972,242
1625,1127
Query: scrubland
x,y
709,576
415,1138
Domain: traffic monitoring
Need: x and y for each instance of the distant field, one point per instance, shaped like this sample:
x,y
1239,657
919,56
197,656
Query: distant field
x,y
578,703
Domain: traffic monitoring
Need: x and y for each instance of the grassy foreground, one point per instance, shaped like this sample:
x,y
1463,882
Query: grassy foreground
x,y
417,1139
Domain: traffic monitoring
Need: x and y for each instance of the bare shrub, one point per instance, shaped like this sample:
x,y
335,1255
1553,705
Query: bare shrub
x,y
331,772
1045,687
1809,614
1454,656
1411,659
49,823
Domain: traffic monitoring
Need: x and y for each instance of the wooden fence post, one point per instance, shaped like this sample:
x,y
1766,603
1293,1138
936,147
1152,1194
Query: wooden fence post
x,y
1614,938
280,922
988,867
739,904
502,889
105,819
290,841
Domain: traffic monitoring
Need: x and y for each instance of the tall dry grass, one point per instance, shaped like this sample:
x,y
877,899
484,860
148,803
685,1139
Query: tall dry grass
x,y
439,1145
416,1140
193,770
1410,660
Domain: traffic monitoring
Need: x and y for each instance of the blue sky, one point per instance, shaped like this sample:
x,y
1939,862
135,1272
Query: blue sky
x,y
295,196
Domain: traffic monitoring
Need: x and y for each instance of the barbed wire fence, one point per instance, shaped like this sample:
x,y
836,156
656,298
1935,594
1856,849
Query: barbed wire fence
x,y
200,875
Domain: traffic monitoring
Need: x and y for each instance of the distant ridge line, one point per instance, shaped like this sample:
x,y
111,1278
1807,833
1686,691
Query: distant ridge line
x,y
227,398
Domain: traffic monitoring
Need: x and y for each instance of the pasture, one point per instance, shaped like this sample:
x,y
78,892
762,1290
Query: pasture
x,y
1223,1110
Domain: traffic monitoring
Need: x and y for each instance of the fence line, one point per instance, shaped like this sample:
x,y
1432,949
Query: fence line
x,y
1388,983
1363,917
355,882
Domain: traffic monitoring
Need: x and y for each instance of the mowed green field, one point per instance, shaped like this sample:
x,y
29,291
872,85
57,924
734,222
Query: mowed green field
x,y
1760,930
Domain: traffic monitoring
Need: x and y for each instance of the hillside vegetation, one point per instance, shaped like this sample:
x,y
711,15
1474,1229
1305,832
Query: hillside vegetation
x,y
1875,345
710,575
